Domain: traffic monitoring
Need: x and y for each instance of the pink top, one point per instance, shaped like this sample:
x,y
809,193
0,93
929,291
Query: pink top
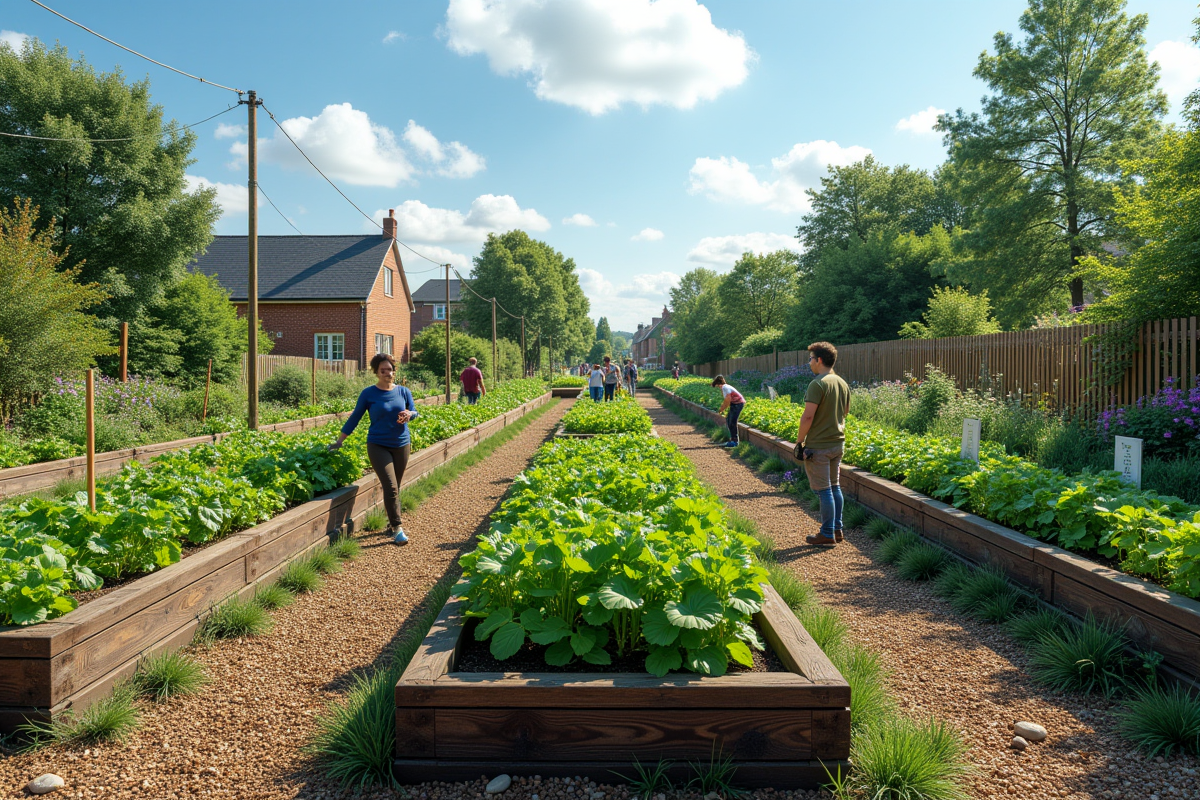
x,y
733,394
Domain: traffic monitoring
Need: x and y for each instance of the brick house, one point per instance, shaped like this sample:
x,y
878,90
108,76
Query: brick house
x,y
326,297
648,341
429,304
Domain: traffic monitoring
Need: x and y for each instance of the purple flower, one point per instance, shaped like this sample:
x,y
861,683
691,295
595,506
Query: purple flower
x,y
1166,434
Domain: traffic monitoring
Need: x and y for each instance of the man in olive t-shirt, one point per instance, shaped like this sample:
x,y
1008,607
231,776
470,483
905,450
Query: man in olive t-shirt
x,y
822,435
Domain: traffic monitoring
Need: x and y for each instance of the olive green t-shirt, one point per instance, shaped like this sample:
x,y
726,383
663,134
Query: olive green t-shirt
x,y
831,394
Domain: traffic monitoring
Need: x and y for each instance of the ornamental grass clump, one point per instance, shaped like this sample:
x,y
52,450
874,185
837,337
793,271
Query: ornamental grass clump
x,y
978,586
167,675
1030,627
610,546
273,596
855,515
824,625
879,528
324,561
907,760
921,562
300,577
234,619
870,699
111,719
1088,658
1160,720
947,585
896,545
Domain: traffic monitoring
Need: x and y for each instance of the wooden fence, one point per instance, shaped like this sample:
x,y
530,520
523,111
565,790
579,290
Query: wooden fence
x,y
267,364
1057,364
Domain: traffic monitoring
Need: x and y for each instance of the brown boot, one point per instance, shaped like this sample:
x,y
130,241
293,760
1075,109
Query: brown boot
x,y
838,536
821,540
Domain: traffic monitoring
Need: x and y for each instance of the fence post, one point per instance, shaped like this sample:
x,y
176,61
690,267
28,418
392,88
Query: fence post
x,y
314,381
90,409
124,352
207,381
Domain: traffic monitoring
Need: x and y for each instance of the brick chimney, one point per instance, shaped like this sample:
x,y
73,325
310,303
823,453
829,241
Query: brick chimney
x,y
654,321
389,225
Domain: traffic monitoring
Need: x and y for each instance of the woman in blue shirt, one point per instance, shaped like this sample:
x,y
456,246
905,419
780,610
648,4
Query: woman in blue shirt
x,y
391,408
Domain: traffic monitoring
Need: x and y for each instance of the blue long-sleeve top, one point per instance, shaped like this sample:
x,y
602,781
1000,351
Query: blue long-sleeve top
x,y
383,407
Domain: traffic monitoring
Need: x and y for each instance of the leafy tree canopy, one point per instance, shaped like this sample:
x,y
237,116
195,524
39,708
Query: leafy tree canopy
x,y
761,343
696,317
953,311
122,211
603,330
757,294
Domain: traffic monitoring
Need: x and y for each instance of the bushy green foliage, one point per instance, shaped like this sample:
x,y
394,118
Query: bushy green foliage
x,y
659,570
429,348
324,561
895,546
273,596
234,619
1034,625
761,343
1084,658
288,385
623,415
111,719
568,382
900,758
169,674
345,548
1159,720
953,311
921,562
300,577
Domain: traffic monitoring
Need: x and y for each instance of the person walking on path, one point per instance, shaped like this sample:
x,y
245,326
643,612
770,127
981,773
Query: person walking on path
x,y
675,371
735,403
612,374
822,438
596,383
391,408
472,381
631,377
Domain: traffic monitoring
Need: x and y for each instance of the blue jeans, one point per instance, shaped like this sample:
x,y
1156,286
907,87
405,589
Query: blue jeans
x,y
731,420
472,397
831,509
610,390
596,392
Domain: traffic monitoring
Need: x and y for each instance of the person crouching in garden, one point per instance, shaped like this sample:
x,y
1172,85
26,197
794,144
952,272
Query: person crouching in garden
x,y
822,438
391,408
596,383
733,401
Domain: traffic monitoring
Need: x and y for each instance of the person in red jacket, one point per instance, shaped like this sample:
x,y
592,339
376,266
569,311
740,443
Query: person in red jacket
x,y
472,381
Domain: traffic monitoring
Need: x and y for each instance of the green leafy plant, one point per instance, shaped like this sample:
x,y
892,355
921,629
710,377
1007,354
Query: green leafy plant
x,y
300,577
1086,658
623,415
234,619
921,562
1159,720
169,674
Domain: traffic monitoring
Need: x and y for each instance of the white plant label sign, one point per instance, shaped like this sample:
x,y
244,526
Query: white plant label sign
x,y
972,429
1128,459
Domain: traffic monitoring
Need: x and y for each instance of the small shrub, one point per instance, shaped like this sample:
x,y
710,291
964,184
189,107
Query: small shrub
x,y
895,546
1088,658
854,515
345,548
234,619
273,597
951,580
773,465
1031,626
870,701
1000,607
978,587
1158,720
375,520
169,675
111,719
795,592
824,625
324,562
879,528
906,760
288,385
300,577
921,562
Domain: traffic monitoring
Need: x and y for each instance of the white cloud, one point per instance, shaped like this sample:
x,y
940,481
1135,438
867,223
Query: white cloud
x,y
922,122
647,235
232,198
442,255
225,131
724,251
489,213
1179,63
453,159
599,54
13,39
801,168
627,304
393,36
580,220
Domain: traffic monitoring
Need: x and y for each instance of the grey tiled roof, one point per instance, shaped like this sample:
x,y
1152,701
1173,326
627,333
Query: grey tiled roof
x,y
434,291
298,267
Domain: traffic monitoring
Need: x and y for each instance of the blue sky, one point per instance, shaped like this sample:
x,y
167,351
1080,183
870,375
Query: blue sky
x,y
642,139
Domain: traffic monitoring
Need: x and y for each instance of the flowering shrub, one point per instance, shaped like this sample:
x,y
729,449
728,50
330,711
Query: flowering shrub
x,y
1167,422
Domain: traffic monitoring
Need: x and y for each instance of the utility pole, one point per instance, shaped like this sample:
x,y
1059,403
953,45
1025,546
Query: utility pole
x,y
524,358
252,103
495,361
447,334
551,357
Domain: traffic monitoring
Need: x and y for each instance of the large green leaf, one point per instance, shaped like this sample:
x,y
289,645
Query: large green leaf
x,y
560,653
709,660
662,660
657,629
553,629
699,609
620,594
507,640
741,653
494,620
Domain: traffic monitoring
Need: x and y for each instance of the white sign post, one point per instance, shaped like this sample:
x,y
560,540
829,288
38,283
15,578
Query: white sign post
x,y
972,429
1128,459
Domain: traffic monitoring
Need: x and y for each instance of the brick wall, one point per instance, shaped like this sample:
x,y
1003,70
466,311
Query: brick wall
x,y
423,316
389,315
297,322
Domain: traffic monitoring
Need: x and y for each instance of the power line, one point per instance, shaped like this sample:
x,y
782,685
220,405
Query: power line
x,y
280,213
481,297
123,139
135,52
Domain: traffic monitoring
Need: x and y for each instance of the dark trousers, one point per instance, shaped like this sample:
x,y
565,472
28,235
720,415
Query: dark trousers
x,y
595,392
472,397
735,411
389,464
609,391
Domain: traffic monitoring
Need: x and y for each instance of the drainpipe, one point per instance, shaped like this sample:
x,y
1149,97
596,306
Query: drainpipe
x,y
362,361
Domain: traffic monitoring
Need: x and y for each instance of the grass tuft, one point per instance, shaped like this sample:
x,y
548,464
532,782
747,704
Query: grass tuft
x,y
234,619
854,515
1159,720
111,719
809,498
824,625
300,577
1031,626
715,776
795,592
1000,608
324,562
896,545
921,562
906,760
345,548
951,580
168,675
979,586
1088,658
870,701
375,520
273,597
719,434
879,528
650,780
773,464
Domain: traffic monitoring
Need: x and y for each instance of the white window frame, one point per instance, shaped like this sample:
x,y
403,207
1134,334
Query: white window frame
x,y
439,307
329,346
387,281
384,343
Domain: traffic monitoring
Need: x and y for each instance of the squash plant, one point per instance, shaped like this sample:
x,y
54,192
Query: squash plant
x,y
612,545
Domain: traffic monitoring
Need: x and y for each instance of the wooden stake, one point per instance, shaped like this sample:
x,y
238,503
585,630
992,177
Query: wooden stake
x,y
252,253
314,381
207,381
124,352
91,439
447,334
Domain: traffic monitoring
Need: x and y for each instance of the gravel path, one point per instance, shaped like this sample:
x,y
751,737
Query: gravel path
x,y
967,673
241,736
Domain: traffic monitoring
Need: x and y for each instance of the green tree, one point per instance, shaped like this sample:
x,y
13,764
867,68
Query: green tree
x,y
600,349
1069,102
953,311
758,293
122,211
529,277
603,330
761,343
429,347
697,322
199,317
46,332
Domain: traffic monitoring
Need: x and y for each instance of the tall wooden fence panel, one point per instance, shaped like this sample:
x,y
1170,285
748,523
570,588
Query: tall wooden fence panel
x,y
267,364
1059,365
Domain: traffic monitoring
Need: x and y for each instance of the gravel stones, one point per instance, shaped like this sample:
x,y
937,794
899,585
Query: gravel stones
x,y
44,784
1019,744
1030,731
498,784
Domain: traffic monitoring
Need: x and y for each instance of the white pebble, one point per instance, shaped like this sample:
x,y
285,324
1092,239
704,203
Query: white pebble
x,y
44,784
1019,743
1030,731
498,784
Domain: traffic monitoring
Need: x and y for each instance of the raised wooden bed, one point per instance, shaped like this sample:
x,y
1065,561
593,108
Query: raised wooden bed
x,y
568,391
31,477
561,433
782,729
73,660
1153,617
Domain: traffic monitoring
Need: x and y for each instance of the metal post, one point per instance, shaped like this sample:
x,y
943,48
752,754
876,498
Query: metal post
x,y
124,352
252,251
447,334
495,360
90,433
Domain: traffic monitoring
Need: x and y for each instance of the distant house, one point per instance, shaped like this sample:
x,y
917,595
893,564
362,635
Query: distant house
x,y
429,304
648,342
326,297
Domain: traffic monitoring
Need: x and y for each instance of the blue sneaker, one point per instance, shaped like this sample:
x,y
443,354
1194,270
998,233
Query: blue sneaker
x,y
730,444
400,538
